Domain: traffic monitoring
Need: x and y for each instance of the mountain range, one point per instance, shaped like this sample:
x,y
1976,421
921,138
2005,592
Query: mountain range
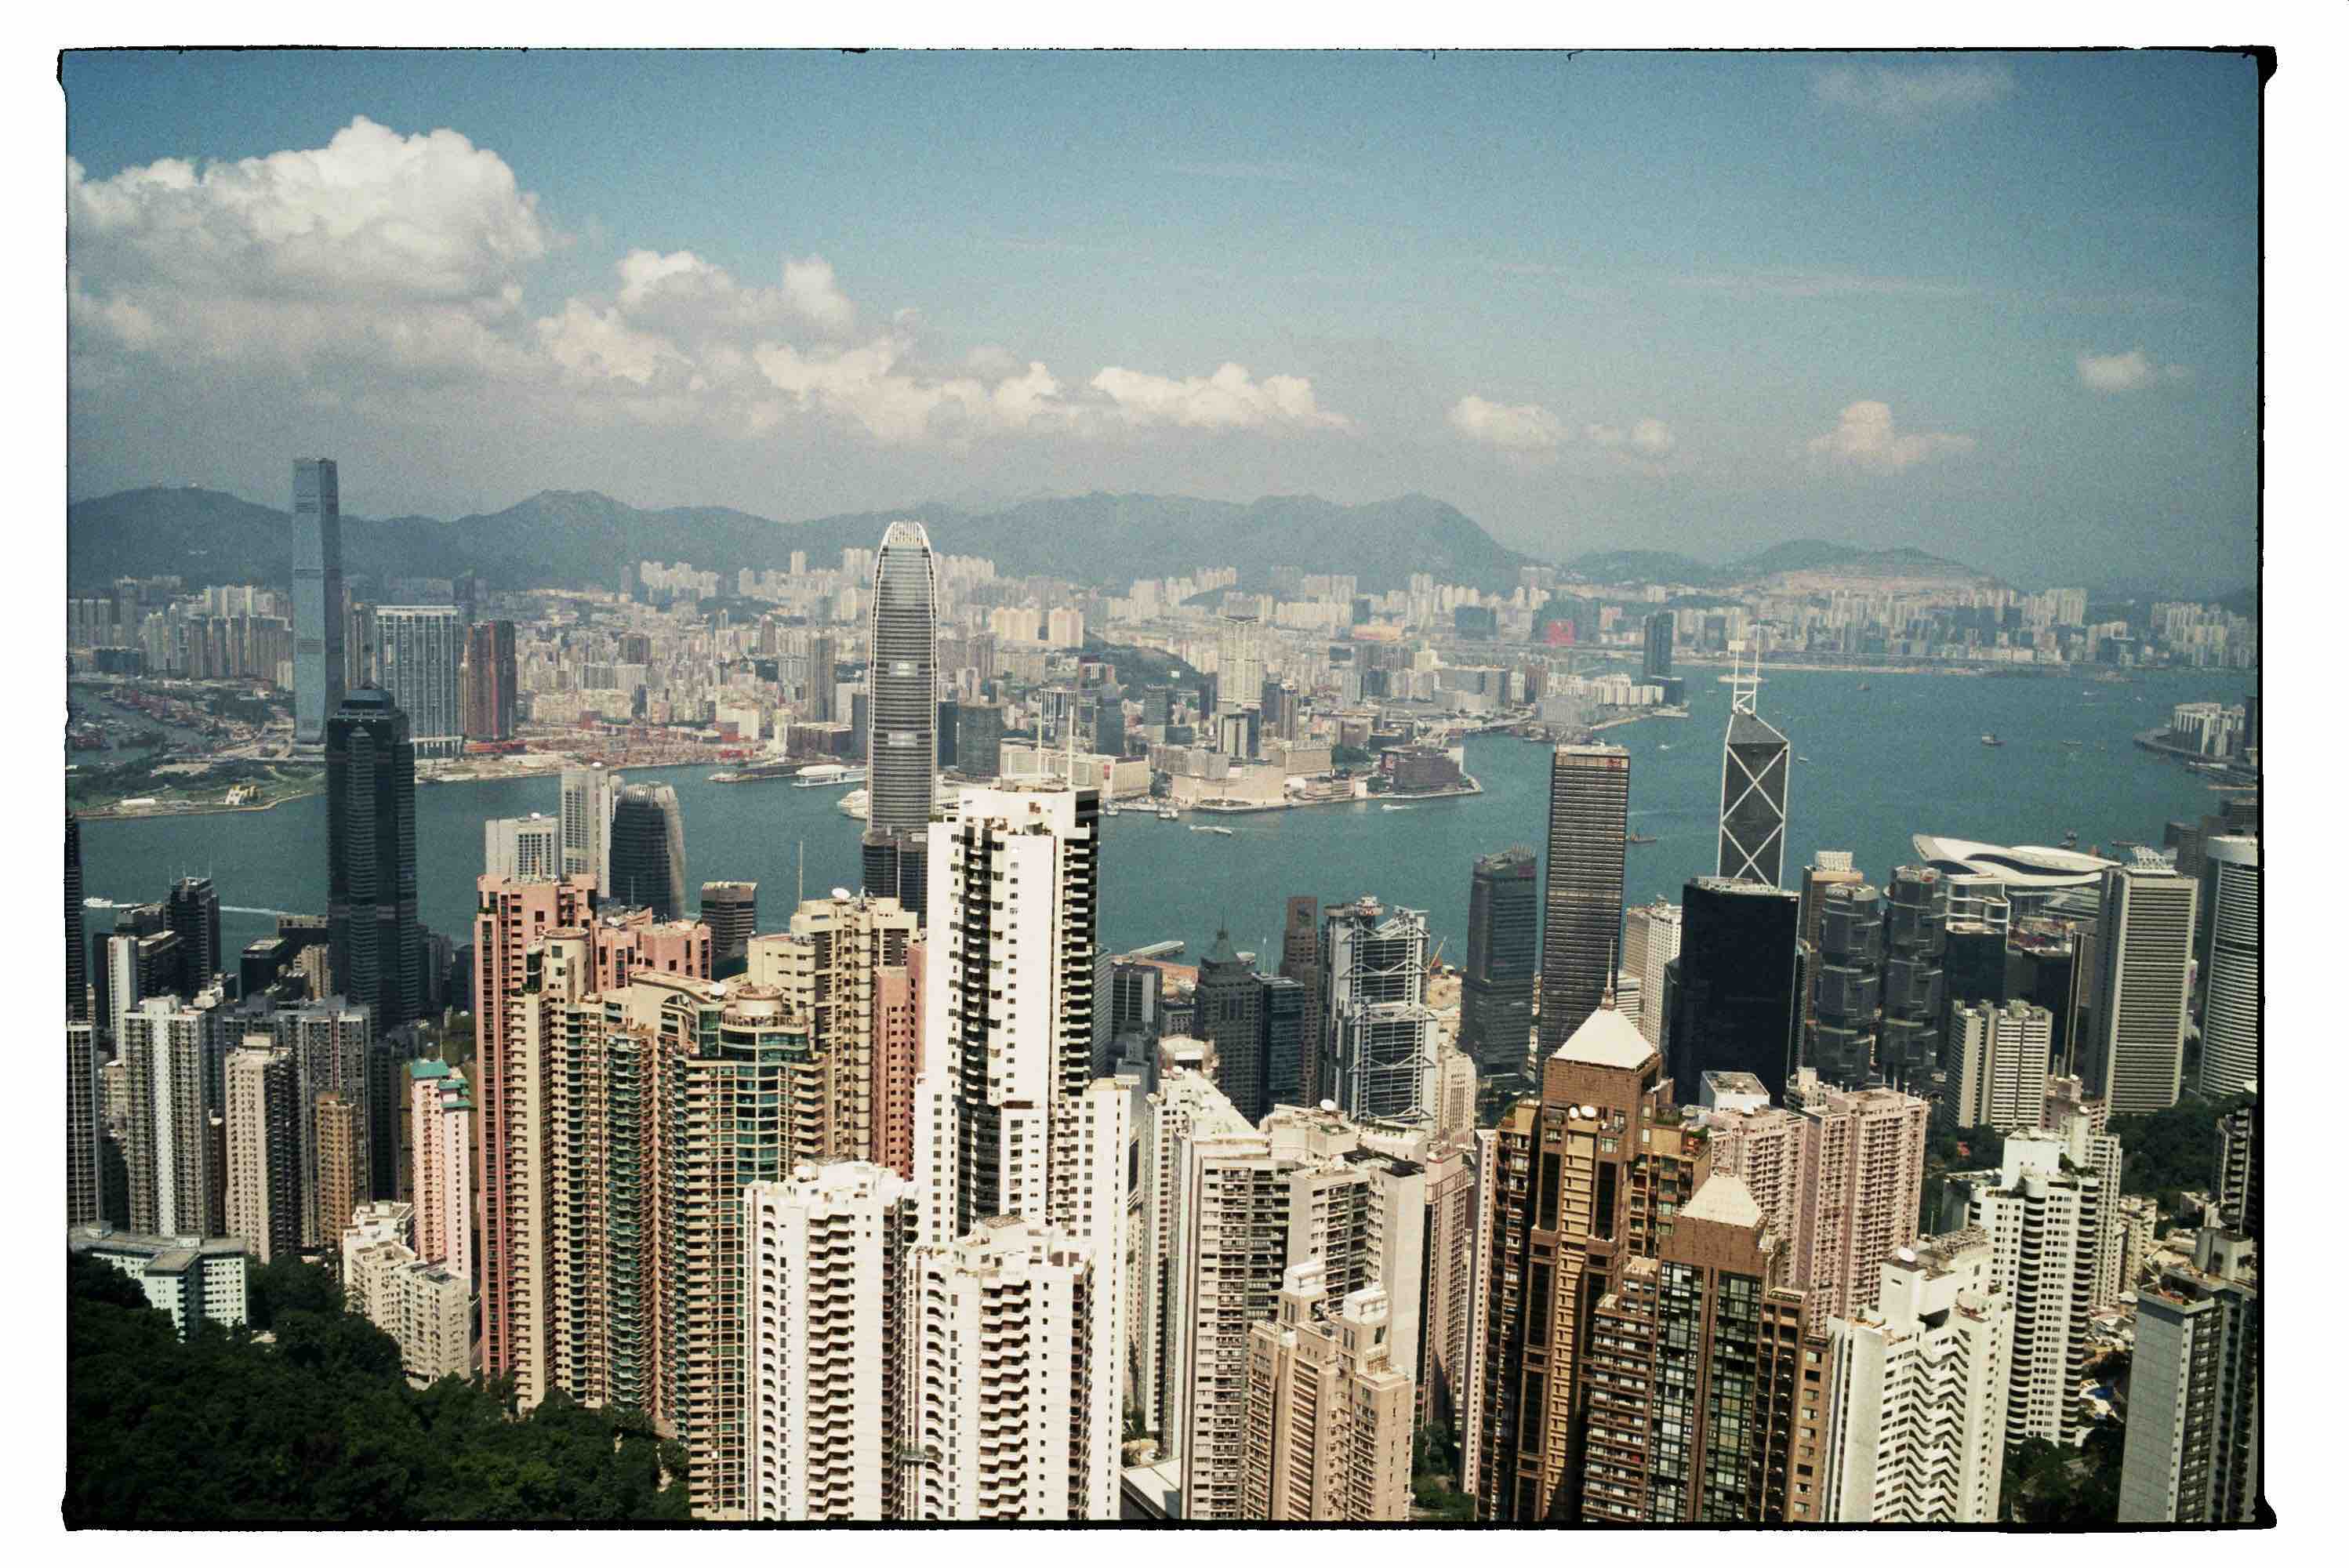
x,y
582,538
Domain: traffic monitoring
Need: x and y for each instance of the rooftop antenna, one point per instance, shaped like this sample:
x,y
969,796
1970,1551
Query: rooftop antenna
x,y
801,898
1606,996
1742,684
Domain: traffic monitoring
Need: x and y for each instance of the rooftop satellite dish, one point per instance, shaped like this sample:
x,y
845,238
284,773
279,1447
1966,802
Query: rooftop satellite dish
x,y
1590,1113
840,892
1329,1105
1905,1255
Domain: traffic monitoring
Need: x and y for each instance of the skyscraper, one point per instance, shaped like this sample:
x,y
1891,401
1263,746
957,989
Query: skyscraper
x,y
1908,1049
1753,766
371,925
647,849
2000,1062
1568,1184
333,1051
833,969
1230,1017
85,1109
1301,960
169,1046
1380,1034
2235,1173
2043,1218
76,943
1918,1389
1736,1005
419,649
2191,1455
731,910
589,794
441,1116
265,1197
1695,1383
1329,1418
2136,1049
1582,891
1840,1180
1250,1200
2229,901
508,919
826,1265
1011,1123
193,908
530,847
902,738
1651,941
1014,1402
488,679
1656,657
1496,990
1847,979
317,598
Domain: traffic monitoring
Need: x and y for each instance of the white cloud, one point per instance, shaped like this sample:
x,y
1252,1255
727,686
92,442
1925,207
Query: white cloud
x,y
2131,372
1865,438
1229,399
809,285
396,264
1648,438
1522,428
1909,95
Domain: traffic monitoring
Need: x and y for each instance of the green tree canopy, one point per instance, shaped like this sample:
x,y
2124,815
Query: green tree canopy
x,y
321,1426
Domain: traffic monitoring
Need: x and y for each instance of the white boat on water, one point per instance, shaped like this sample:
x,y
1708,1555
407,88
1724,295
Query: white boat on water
x,y
1170,814
857,803
1109,809
826,775
1211,828
1394,808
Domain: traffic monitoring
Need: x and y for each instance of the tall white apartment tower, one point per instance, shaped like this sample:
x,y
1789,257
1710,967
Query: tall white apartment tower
x,y
589,795
1008,1005
2002,1059
2136,1050
1654,930
1010,1123
1252,1204
1014,1416
1917,1429
1187,1105
2230,965
2042,1221
825,1263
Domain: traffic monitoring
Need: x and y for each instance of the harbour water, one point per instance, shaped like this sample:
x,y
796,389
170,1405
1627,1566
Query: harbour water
x,y
1904,757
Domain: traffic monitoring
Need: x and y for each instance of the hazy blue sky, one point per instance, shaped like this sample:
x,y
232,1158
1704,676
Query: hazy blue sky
x,y
2003,306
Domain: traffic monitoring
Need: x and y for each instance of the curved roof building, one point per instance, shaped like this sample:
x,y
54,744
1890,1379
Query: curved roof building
x,y
2031,868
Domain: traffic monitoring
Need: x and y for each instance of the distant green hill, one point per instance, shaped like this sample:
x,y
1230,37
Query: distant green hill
x,y
582,538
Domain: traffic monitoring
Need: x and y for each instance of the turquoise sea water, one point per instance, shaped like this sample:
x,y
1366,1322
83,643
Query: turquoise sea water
x,y
1904,757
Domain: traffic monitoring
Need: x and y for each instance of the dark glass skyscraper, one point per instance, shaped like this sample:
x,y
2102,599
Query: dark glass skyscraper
x,y
1497,991
317,598
1848,981
76,943
1231,1016
1301,960
902,728
371,857
1656,661
193,910
1582,888
1737,1006
1915,936
487,681
648,850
